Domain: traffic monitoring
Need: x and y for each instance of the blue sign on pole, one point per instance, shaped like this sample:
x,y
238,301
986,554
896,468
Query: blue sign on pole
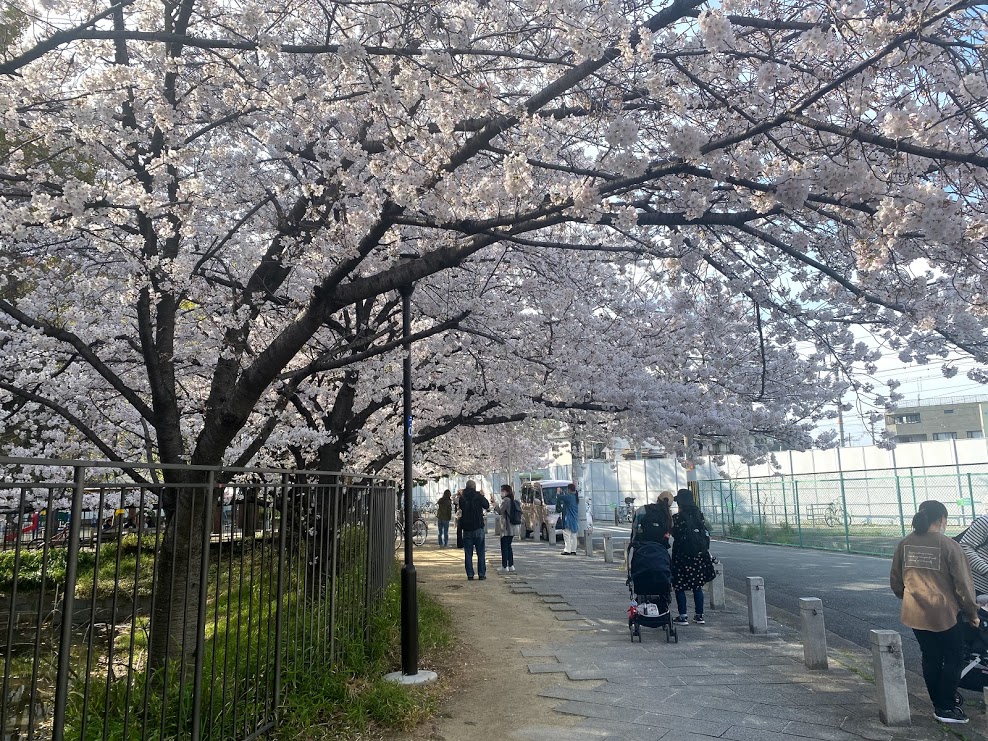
x,y
408,425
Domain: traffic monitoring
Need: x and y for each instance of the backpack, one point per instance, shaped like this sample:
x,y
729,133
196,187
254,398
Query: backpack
x,y
514,513
653,525
693,537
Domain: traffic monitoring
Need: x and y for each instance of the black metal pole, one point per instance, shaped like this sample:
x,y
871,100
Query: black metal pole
x,y
409,596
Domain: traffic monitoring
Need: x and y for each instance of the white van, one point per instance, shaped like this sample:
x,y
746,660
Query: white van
x,y
538,506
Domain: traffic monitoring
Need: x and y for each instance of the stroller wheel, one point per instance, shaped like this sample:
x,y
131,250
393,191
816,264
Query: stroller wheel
x,y
958,699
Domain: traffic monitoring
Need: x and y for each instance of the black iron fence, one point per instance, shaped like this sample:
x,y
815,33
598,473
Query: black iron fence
x,y
160,602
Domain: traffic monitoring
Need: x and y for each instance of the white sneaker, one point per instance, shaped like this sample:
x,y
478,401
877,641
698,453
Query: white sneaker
x,y
511,568
502,570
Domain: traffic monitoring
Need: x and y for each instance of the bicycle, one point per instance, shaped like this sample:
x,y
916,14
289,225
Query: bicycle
x,y
835,514
420,532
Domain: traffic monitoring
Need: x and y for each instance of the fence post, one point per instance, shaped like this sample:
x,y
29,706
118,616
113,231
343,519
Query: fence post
x,y
761,521
847,517
898,496
814,633
757,613
587,543
912,484
608,549
970,493
785,505
799,519
68,606
890,677
279,615
207,530
723,510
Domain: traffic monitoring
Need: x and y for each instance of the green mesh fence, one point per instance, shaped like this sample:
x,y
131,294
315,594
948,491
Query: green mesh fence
x,y
860,512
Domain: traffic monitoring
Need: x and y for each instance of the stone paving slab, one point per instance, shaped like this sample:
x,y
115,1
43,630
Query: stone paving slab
x,y
719,681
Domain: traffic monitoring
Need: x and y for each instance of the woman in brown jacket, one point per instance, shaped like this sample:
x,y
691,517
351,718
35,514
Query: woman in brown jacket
x,y
931,576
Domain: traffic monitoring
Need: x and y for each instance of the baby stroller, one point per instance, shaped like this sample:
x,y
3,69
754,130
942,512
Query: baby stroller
x,y
974,675
650,583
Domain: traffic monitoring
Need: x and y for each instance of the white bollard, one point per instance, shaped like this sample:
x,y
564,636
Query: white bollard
x,y
757,613
814,633
890,677
608,550
588,542
715,589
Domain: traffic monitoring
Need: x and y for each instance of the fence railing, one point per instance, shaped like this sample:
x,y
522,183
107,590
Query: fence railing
x,y
179,602
861,512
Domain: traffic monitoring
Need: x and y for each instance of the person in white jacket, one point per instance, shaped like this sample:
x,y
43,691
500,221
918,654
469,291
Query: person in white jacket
x,y
506,530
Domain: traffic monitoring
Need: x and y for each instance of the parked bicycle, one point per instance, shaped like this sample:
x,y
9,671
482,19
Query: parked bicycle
x,y
420,532
628,511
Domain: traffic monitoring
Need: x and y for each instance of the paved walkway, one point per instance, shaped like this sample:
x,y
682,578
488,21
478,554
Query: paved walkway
x,y
719,681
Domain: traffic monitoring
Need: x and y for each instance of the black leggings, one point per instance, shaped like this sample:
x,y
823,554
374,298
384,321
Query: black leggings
x,y
943,659
507,555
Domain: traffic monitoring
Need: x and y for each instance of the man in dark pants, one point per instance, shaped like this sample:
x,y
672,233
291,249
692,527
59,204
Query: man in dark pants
x,y
472,512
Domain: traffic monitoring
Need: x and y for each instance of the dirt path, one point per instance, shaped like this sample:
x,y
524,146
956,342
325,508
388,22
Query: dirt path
x,y
486,685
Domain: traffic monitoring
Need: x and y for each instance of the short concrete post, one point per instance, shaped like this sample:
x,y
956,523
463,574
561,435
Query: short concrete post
x,y
890,677
757,613
588,542
715,589
814,633
608,550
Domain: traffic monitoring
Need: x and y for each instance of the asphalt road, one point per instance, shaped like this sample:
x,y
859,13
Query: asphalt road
x,y
854,589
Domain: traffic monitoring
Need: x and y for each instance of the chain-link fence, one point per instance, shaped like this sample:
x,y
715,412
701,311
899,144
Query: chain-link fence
x,y
861,512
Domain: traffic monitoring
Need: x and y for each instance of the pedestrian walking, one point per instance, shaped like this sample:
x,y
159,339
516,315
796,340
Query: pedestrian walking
x,y
508,527
974,542
567,504
692,566
473,508
444,513
459,516
930,574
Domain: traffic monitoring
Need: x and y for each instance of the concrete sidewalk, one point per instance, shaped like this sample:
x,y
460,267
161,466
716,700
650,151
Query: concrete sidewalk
x,y
719,681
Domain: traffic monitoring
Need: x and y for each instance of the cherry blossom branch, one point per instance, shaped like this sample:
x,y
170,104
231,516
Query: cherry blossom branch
x,y
73,420
85,351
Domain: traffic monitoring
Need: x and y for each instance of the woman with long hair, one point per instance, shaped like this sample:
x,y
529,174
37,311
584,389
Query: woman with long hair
x,y
506,530
931,576
692,566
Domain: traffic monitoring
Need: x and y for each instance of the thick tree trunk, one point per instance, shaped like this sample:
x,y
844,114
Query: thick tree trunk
x,y
178,577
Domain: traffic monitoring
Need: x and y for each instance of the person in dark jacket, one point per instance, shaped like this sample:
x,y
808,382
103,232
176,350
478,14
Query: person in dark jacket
x,y
692,566
444,513
930,574
473,511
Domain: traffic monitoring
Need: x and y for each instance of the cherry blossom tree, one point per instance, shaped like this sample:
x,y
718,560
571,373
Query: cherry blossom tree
x,y
664,218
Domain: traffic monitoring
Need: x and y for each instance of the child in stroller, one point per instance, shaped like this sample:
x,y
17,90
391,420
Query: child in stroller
x,y
650,583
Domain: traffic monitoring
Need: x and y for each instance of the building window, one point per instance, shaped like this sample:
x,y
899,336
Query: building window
x,y
974,434
910,438
944,435
906,419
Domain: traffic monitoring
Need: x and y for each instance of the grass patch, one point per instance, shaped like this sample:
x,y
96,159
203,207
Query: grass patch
x,y
353,696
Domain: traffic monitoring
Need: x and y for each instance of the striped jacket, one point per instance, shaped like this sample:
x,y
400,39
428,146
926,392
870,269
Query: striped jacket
x,y
975,545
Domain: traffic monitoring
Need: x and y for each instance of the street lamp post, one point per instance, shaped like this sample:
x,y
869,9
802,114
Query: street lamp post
x,y
409,673
409,591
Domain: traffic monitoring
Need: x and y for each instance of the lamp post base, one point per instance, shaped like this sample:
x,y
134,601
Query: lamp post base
x,y
422,677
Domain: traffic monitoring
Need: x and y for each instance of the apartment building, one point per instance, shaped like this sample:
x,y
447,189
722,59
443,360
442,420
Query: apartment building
x,y
941,419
